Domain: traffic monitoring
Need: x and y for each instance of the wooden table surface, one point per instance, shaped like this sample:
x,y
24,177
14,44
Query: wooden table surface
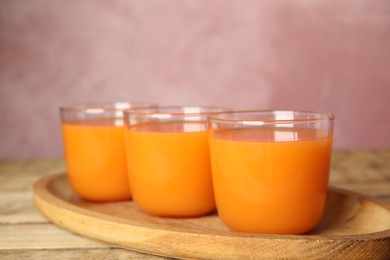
x,y
26,234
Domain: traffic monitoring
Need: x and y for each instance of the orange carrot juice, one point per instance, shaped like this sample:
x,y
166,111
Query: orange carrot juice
x,y
169,168
270,180
96,160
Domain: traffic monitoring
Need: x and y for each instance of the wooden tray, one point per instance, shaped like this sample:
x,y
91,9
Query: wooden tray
x,y
353,226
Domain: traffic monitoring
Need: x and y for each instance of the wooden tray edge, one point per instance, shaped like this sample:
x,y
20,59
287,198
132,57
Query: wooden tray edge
x,y
176,243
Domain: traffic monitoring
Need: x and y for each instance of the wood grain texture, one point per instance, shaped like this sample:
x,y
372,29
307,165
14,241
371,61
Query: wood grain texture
x,y
74,253
360,166
363,171
17,208
354,226
20,175
43,236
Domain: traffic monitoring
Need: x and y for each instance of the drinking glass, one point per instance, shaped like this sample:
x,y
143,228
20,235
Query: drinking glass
x,y
168,158
93,137
270,169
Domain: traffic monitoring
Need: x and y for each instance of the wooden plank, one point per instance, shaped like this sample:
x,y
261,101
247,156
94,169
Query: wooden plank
x,y
85,254
360,166
18,207
19,175
43,236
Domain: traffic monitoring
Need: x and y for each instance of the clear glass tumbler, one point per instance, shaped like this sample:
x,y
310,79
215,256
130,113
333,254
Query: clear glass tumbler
x,y
168,158
93,137
270,169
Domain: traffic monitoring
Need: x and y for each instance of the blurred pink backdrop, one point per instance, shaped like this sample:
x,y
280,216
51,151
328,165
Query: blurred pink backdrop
x,y
264,54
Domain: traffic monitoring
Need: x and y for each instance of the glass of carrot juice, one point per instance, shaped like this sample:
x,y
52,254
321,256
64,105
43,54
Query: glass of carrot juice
x,y
93,137
270,169
168,158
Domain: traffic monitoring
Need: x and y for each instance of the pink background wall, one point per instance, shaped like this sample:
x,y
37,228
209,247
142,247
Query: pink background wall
x,y
302,54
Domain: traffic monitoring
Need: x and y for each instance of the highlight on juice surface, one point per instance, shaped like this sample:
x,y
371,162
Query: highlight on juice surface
x,y
93,137
270,169
168,158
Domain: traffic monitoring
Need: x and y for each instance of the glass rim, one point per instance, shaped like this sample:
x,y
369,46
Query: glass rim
x,y
105,106
175,110
321,115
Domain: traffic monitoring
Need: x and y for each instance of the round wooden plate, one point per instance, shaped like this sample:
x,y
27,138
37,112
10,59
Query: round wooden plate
x,y
353,226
